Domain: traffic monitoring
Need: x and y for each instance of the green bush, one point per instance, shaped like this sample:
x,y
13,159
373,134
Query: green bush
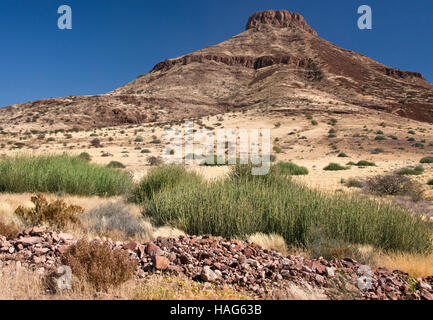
x,y
292,169
61,174
354,183
85,156
364,163
116,165
426,160
163,178
411,172
242,205
334,167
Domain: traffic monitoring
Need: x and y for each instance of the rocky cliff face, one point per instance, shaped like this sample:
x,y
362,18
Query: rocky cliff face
x,y
266,65
279,19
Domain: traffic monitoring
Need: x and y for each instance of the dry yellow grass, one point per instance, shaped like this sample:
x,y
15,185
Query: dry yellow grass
x,y
415,265
271,241
23,284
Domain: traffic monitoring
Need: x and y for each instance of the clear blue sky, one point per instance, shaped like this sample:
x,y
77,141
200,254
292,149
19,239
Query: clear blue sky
x,y
113,41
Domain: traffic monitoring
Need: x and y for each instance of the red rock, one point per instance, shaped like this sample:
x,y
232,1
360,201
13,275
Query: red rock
x,y
30,240
160,262
132,245
151,247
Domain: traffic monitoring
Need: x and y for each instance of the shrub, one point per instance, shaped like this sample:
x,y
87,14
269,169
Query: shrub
x,y
391,184
145,151
314,123
62,173
333,121
10,231
430,182
116,216
411,172
426,160
334,167
354,183
99,265
96,143
155,141
277,149
85,156
377,151
243,206
139,139
364,163
380,138
342,155
213,160
163,178
116,165
56,214
154,161
292,169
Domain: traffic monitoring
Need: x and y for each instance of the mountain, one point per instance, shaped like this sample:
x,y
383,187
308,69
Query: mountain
x,y
277,59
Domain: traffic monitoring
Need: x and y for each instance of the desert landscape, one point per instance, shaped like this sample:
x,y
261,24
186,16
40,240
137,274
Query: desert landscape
x,y
344,213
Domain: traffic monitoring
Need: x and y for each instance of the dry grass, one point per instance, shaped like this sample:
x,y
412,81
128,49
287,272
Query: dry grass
x,y
294,292
415,265
271,241
9,202
23,284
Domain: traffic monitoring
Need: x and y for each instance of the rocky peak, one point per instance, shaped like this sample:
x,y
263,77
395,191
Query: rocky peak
x,y
279,19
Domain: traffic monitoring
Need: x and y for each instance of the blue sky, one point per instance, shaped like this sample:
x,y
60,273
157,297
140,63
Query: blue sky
x,y
113,41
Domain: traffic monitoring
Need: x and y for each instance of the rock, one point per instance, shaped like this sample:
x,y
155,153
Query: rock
x,y
423,285
160,262
330,272
132,245
306,269
151,247
30,241
208,275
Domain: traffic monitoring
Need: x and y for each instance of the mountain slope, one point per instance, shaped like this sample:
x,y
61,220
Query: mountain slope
x,y
278,58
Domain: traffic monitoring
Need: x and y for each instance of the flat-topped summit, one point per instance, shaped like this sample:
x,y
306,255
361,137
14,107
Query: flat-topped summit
x,y
279,19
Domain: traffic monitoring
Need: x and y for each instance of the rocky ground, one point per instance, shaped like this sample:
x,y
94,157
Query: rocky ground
x,y
235,264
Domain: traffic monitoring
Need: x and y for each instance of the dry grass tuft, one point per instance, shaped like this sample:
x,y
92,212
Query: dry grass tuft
x,y
294,292
10,231
23,284
99,265
271,241
416,265
55,214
